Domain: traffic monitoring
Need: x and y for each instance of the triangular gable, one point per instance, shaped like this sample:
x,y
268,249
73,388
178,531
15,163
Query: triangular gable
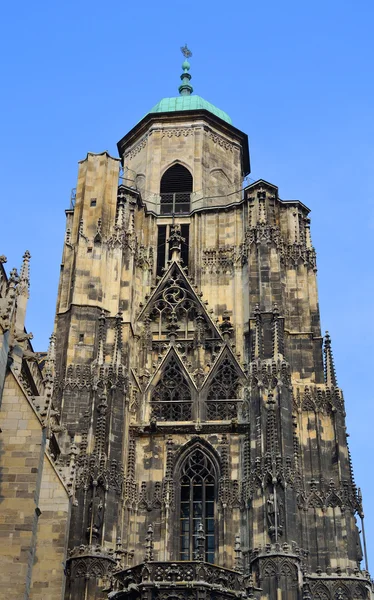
x,y
225,352
171,353
262,183
175,273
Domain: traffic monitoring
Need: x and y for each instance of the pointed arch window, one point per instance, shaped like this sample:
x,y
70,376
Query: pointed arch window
x,y
175,189
198,480
171,399
223,393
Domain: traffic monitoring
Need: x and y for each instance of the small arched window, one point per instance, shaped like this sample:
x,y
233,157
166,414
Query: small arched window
x,y
197,506
175,190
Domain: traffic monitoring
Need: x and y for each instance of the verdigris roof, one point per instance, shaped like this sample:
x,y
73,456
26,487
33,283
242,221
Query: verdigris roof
x,y
189,102
185,100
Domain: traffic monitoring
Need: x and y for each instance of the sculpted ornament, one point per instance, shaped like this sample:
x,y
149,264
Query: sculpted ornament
x,y
137,148
180,132
96,517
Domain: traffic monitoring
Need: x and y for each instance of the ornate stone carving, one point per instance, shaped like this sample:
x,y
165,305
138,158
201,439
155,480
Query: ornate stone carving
x,y
88,562
171,399
223,259
340,588
262,233
178,132
220,141
291,254
7,303
130,488
186,574
319,399
144,258
224,393
323,495
137,148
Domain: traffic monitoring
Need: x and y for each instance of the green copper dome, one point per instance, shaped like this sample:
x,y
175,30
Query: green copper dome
x,y
185,101
189,102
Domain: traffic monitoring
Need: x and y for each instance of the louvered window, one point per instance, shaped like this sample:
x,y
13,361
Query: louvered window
x,y
175,190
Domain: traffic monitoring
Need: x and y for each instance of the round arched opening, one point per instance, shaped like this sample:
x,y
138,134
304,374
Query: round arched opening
x,y
175,189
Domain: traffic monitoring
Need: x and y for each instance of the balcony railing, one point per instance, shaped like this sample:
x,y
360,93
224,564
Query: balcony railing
x,y
176,203
179,576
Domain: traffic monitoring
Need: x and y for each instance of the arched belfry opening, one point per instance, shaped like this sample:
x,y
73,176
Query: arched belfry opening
x,y
175,189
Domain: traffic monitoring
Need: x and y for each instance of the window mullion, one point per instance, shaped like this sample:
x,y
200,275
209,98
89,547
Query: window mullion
x,y
191,532
203,513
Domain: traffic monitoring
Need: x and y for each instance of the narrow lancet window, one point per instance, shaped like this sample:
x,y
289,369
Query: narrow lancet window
x,y
197,506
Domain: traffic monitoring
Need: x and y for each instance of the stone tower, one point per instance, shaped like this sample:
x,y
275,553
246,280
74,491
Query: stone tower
x,y
203,429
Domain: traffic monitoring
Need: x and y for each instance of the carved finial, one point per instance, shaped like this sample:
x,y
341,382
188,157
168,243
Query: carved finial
x,y
120,217
226,327
277,334
22,293
330,376
308,239
50,359
8,303
117,348
175,242
172,327
257,345
271,427
51,354
101,338
149,556
24,277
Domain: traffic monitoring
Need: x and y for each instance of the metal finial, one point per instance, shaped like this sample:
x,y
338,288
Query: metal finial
x,y
186,88
186,51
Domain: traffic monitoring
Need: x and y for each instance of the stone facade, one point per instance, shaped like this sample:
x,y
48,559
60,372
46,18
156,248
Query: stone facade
x,y
199,426
34,500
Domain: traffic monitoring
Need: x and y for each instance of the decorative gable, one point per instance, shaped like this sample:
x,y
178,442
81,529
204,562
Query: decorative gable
x,y
171,391
222,389
175,315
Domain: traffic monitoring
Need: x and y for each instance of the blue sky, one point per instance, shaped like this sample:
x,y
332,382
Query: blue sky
x,y
296,76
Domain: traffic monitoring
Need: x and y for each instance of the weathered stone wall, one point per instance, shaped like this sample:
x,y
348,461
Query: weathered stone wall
x,y
48,576
212,155
33,544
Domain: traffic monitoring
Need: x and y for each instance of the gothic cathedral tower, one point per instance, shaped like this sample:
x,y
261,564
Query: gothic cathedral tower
x,y
203,431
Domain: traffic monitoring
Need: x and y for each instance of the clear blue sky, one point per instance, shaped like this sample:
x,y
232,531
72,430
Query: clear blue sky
x,y
296,76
